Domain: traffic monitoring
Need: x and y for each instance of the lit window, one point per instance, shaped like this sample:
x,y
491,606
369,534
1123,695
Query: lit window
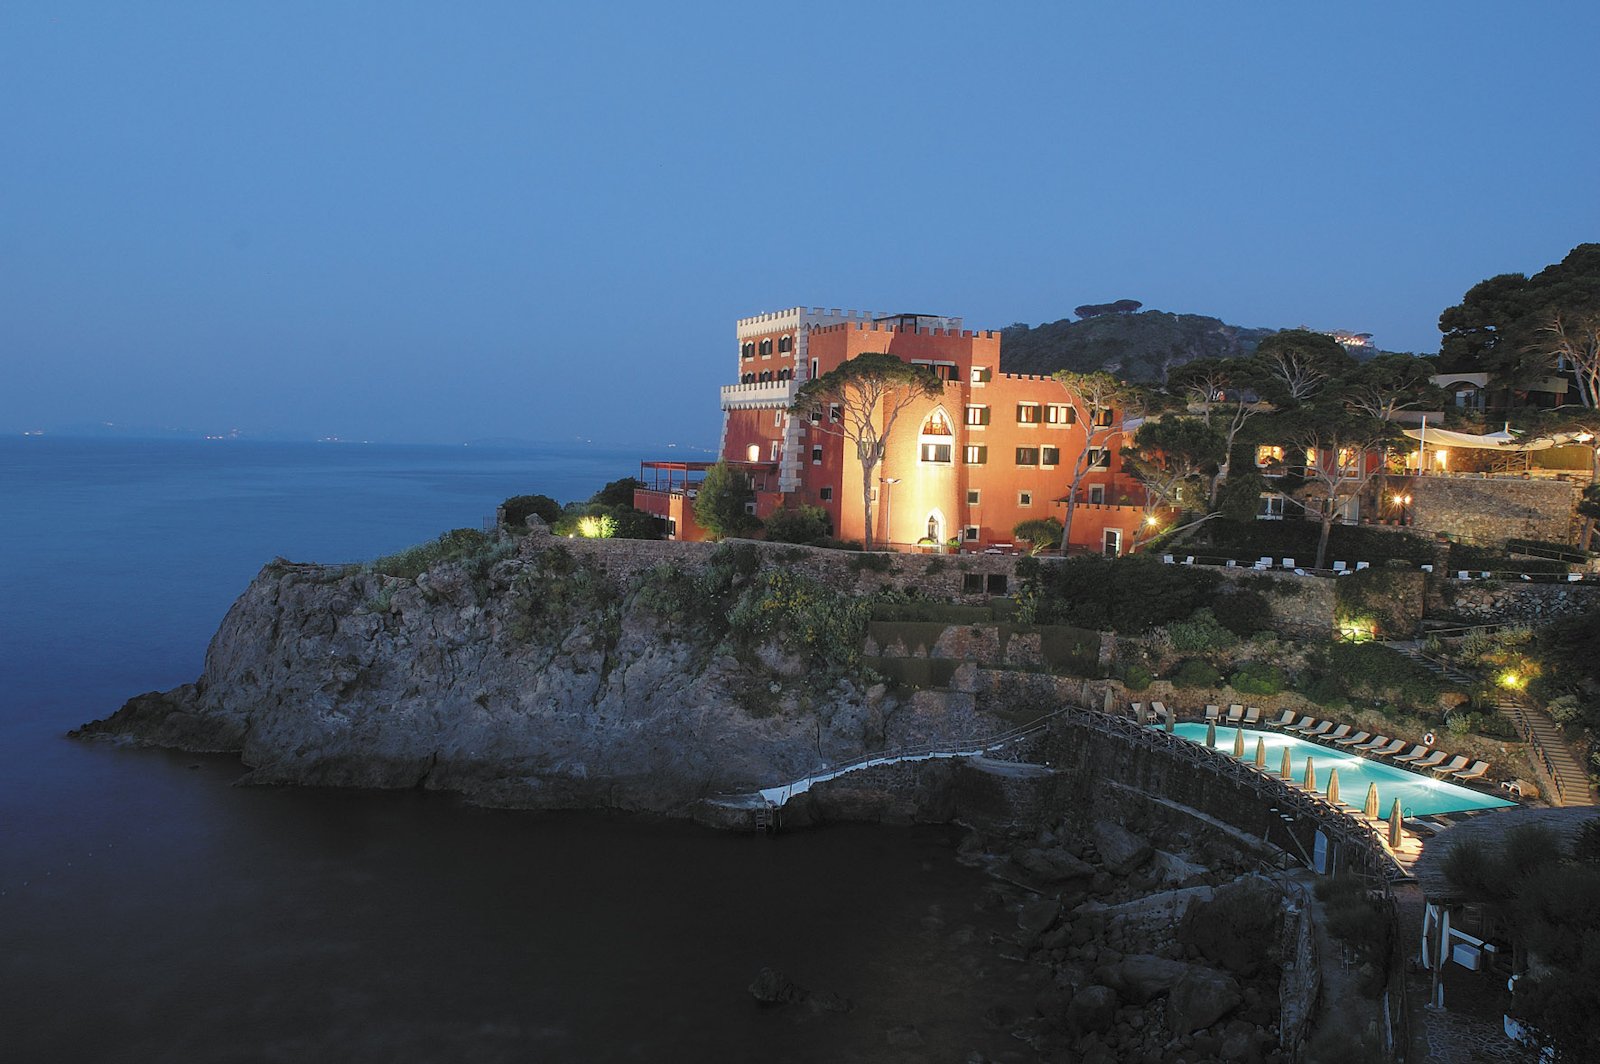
x,y
977,415
1027,413
1101,418
1024,498
1027,456
753,453
975,454
1060,414
1269,456
972,497
1049,456
936,452
1311,458
936,424
1347,459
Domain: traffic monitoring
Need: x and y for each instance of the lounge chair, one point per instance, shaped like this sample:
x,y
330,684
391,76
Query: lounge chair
x,y
1338,733
1431,762
1462,574
1363,565
1451,767
1288,563
1283,721
1339,567
1213,714
1320,730
1354,740
1188,559
1428,568
1394,747
1166,559
1418,752
1374,743
1252,717
1235,713
1477,771
1305,725
1159,709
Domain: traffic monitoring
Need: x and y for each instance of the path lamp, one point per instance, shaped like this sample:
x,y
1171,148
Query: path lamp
x,y
888,521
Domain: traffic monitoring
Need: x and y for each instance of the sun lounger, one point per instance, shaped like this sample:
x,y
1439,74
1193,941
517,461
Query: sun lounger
x,y
1431,762
1394,747
1235,713
1188,559
1213,714
1377,742
1283,721
1288,563
1354,740
1363,565
1418,752
1305,725
1451,767
1322,728
1477,771
1159,709
1252,717
1338,733
1339,567
1166,559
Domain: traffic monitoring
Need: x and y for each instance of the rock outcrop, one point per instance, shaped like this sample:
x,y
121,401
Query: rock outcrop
x,y
528,678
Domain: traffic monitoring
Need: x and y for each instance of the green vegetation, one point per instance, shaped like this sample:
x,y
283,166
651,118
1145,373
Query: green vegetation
x,y
1201,632
1130,595
1250,539
1040,533
1363,922
1368,672
1256,678
1194,672
1145,345
801,524
519,508
466,546
724,506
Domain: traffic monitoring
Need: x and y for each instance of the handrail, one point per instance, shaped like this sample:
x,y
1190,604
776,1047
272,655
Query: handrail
x,y
921,751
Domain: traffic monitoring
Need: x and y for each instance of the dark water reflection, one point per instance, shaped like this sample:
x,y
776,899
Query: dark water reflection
x,y
150,911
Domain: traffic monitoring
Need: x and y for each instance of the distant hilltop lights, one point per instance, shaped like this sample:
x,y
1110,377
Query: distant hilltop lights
x,y
1347,340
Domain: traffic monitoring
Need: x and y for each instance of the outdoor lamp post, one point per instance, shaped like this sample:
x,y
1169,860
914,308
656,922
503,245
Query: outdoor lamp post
x,y
888,522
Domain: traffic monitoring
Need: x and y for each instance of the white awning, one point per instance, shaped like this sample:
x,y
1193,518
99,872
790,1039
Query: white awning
x,y
1492,441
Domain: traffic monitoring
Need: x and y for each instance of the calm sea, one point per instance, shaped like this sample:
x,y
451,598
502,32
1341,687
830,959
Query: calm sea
x,y
151,911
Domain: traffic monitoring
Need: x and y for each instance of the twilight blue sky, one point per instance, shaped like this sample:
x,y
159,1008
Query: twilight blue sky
x,y
437,222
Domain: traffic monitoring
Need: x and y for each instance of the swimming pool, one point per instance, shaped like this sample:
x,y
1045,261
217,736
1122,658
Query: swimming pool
x,y
1419,795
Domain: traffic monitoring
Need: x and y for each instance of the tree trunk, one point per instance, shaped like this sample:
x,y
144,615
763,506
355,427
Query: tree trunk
x,y
869,465
1322,541
1072,503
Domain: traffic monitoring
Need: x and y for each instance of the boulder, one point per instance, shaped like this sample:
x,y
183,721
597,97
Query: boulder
x,y
1093,1009
1036,917
1140,977
1121,851
1200,998
772,987
1054,865
1238,927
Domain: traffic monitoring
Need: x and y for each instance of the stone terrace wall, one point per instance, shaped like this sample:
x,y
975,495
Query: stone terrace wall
x,y
1307,613
1494,509
1491,601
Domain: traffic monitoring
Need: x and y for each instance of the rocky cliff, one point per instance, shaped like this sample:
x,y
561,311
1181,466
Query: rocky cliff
x,y
537,675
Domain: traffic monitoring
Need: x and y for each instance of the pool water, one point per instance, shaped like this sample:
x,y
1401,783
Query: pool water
x,y
1419,795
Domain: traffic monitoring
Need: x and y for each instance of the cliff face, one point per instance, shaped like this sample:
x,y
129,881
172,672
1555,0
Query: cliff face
x,y
534,680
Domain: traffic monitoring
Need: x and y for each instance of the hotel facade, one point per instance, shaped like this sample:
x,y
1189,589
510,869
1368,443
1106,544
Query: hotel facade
x,y
966,467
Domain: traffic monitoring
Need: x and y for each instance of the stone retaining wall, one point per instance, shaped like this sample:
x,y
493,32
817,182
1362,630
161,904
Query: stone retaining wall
x,y
1494,509
1491,601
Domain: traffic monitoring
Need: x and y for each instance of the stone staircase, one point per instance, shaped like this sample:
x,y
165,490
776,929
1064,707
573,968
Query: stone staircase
x,y
1562,769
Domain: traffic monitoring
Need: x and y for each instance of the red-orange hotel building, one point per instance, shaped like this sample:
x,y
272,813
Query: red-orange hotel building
x,y
994,450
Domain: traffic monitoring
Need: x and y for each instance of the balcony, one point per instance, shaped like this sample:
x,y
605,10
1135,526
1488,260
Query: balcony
x,y
761,394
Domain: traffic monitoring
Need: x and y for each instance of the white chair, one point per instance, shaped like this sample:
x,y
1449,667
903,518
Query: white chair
x,y
1573,578
1288,563
1339,567
1166,559
1362,565
1462,575
1428,568
1189,560
1232,563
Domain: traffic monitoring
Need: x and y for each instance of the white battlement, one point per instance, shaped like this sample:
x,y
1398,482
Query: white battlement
x,y
759,394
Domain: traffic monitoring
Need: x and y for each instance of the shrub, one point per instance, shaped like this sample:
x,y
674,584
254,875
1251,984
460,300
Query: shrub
x,y
458,545
618,492
804,524
1257,678
1243,612
1325,691
519,508
1199,633
1041,532
1131,594
1196,673
1136,677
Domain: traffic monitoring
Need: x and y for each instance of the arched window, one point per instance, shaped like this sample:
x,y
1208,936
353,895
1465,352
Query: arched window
x,y
747,350
785,344
935,439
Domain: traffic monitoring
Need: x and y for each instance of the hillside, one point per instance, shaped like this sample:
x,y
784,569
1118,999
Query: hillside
x,y
1141,346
